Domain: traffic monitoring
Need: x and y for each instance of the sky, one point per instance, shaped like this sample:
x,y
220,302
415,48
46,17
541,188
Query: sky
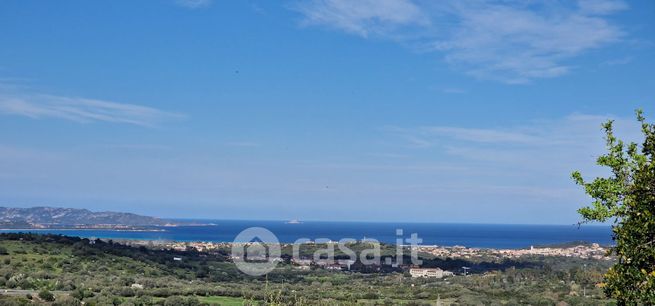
x,y
471,111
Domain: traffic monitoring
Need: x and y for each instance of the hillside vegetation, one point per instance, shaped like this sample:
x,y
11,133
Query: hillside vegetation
x,y
70,270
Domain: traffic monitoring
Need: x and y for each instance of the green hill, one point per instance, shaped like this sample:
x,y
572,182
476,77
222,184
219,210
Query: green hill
x,y
34,269
103,272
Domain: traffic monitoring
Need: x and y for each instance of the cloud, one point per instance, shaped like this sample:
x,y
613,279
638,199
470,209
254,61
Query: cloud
x,y
13,153
617,61
553,147
429,136
129,147
481,135
517,173
517,167
508,41
453,90
601,7
194,4
516,44
363,17
242,144
574,129
38,106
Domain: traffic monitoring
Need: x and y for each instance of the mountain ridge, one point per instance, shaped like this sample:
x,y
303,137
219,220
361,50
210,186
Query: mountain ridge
x,y
60,217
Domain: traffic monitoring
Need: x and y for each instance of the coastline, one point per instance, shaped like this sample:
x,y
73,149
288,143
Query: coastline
x,y
473,236
82,229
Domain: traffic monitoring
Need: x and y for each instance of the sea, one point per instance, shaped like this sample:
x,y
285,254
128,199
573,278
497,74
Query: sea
x,y
443,234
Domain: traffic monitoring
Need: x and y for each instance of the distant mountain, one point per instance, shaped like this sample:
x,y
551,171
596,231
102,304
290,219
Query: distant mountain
x,y
55,217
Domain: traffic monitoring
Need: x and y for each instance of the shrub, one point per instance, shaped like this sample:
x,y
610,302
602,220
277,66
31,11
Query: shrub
x,y
174,301
46,296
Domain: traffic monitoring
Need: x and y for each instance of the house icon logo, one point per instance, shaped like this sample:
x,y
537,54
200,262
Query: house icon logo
x,y
256,251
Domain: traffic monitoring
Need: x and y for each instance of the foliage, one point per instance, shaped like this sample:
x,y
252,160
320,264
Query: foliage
x,y
101,272
46,296
627,197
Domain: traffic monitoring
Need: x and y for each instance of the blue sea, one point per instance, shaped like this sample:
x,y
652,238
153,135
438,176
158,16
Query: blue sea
x,y
469,235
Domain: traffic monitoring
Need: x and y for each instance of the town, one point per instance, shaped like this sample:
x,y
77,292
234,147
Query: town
x,y
584,251
305,263
591,251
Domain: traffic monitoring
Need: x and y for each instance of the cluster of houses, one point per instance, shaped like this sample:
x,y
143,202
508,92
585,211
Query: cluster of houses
x,y
593,251
302,263
345,265
332,265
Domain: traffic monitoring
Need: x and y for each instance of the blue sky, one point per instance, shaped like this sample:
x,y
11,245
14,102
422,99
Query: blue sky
x,y
394,110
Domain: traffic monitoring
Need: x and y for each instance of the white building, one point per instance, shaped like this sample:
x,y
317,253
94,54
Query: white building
x,y
136,286
428,272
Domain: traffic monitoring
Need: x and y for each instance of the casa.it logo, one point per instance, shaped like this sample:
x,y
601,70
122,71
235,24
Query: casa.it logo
x,y
256,251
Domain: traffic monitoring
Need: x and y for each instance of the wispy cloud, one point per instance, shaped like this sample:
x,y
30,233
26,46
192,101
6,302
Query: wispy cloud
x,y
617,61
466,173
481,135
453,90
507,41
129,147
528,164
39,106
13,153
601,7
363,17
551,148
242,144
194,4
575,129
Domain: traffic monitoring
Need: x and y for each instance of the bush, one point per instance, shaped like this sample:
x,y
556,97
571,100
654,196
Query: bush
x,y
47,296
174,301
181,301
67,301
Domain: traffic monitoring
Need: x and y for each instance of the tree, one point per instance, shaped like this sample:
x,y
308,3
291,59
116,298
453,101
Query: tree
x,y
627,198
